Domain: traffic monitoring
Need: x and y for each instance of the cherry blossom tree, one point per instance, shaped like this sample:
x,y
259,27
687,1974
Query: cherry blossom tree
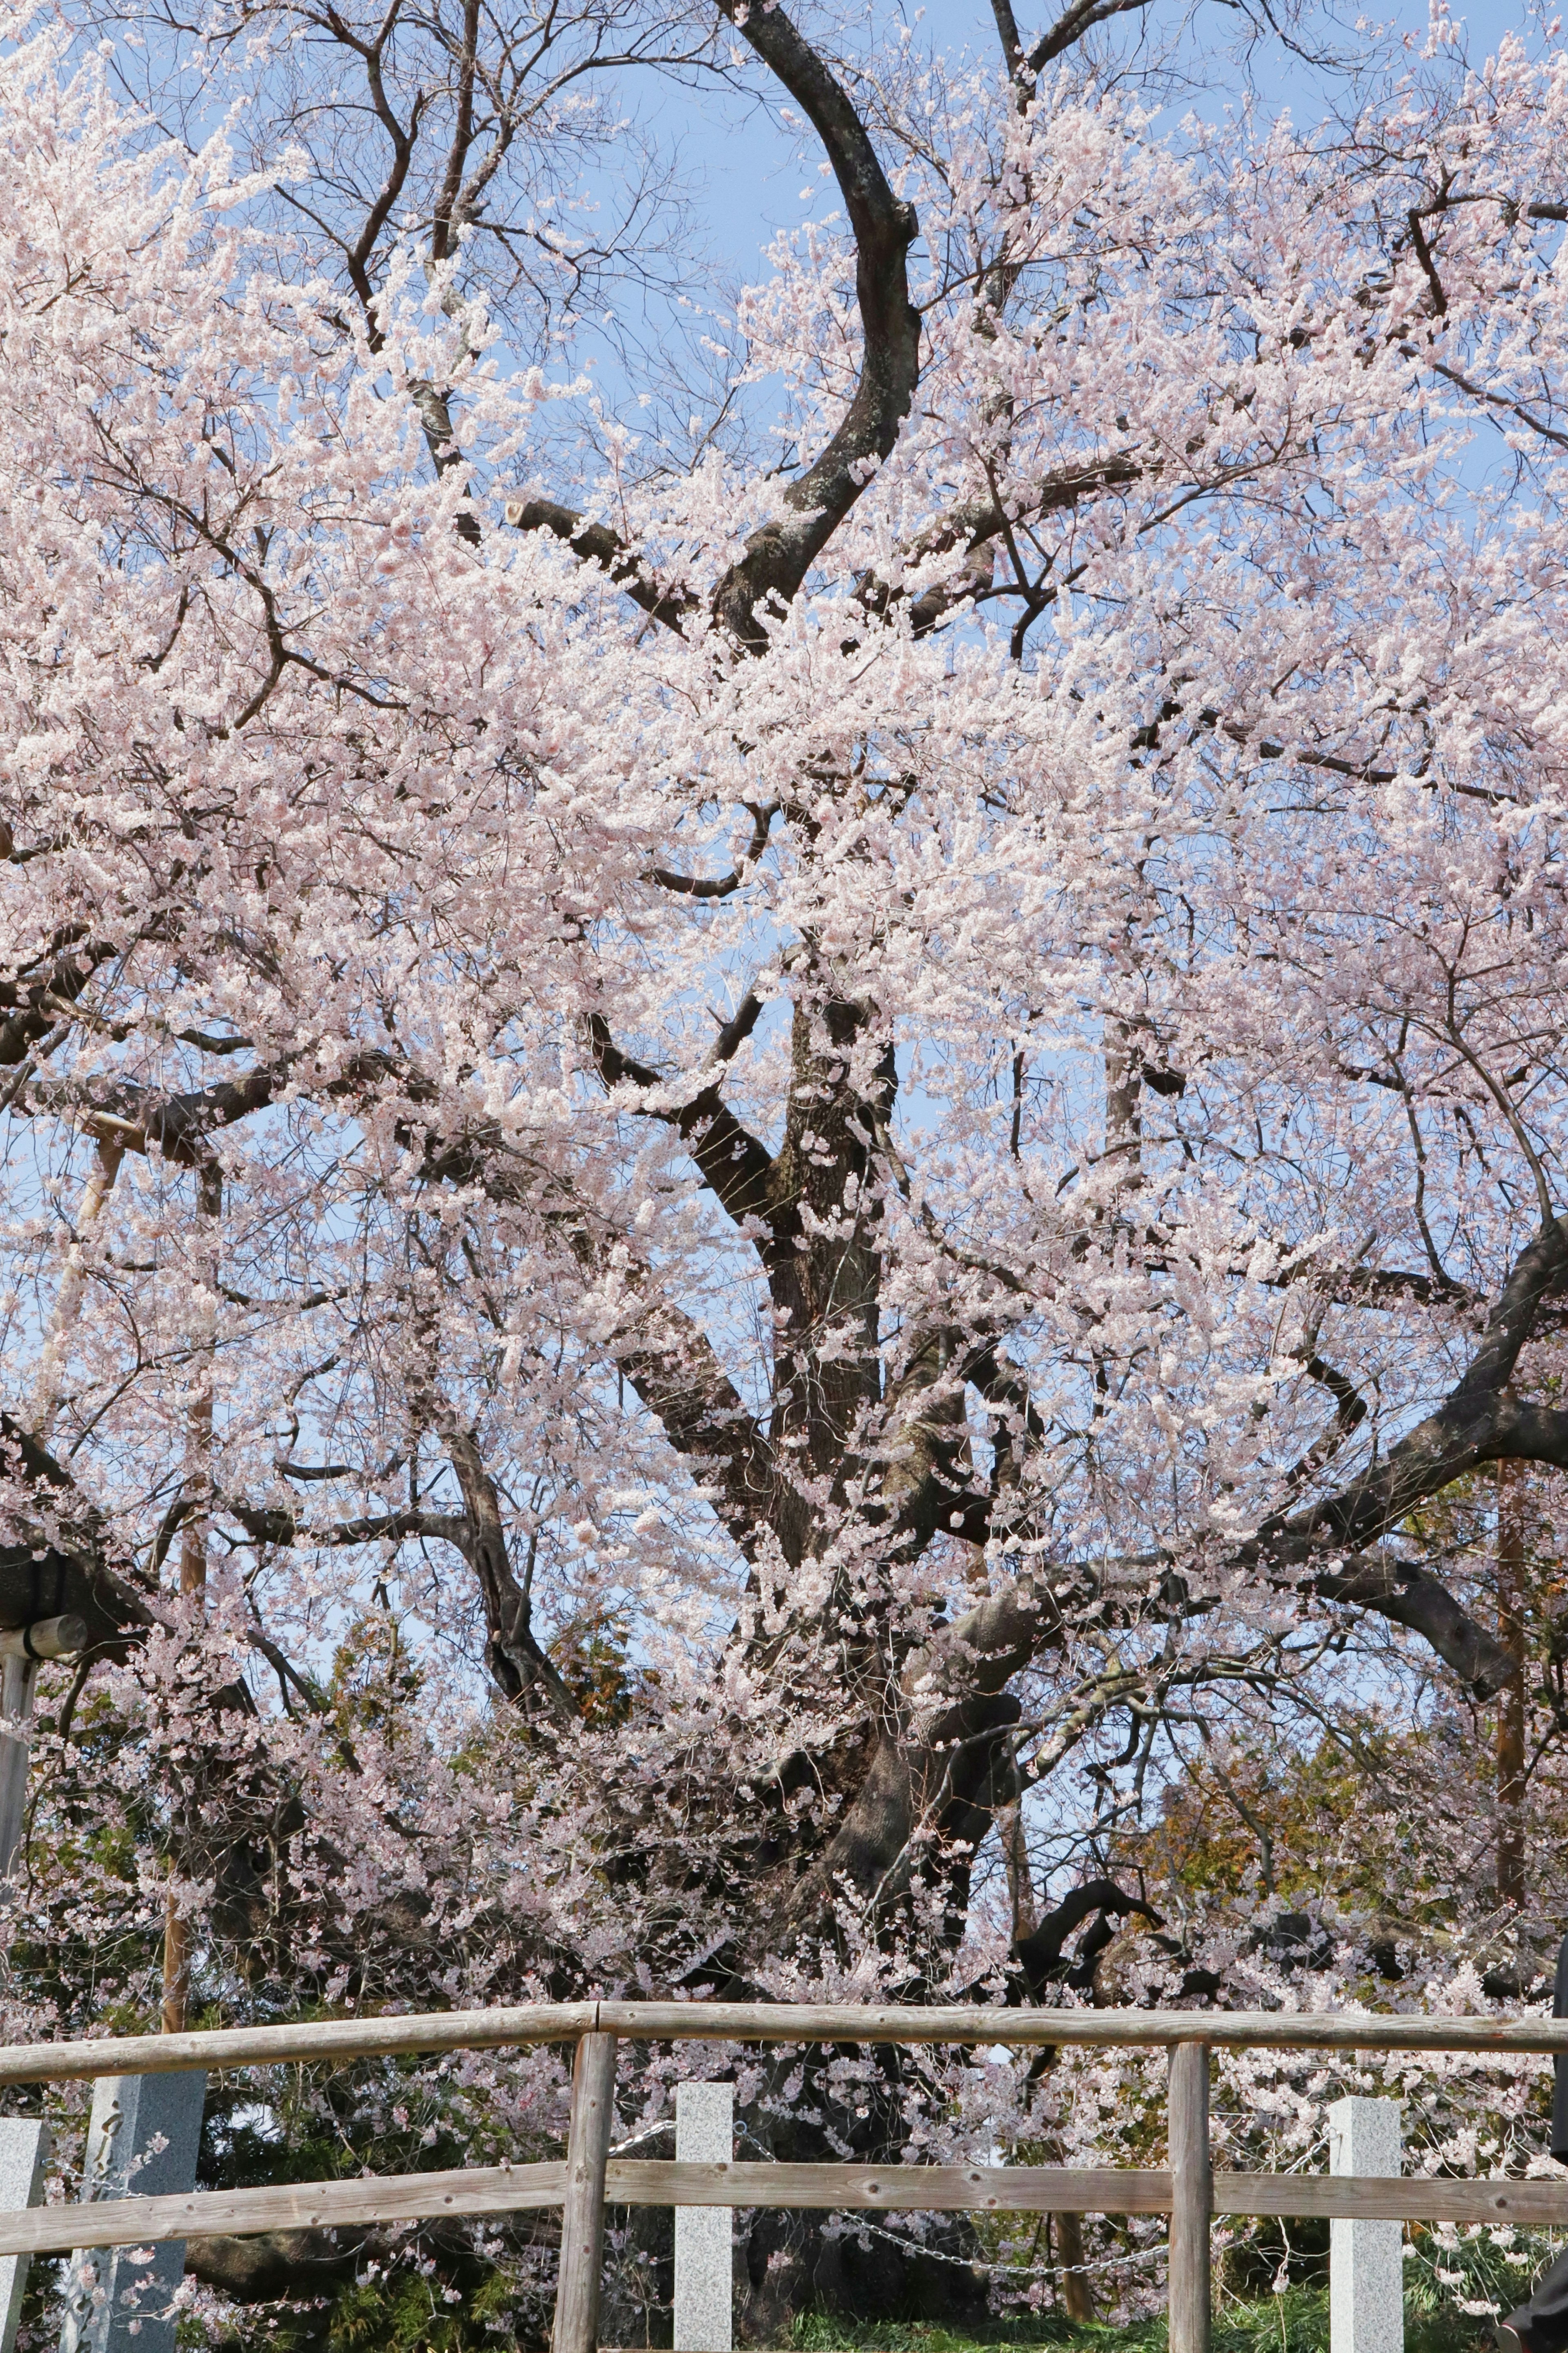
x,y
752,1158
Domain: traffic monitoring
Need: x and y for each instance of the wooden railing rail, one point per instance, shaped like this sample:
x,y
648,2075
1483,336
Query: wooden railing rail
x,y
590,2179
736,2021
851,2188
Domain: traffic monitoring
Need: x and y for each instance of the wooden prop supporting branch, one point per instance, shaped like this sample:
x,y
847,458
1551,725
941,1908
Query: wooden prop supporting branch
x,y
1192,2197
1066,2229
21,1649
24,1647
73,1286
199,1425
1510,1708
583,2215
193,1554
18,1678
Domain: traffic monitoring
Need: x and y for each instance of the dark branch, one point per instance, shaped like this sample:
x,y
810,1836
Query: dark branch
x,y
1478,1422
33,1002
701,886
734,1165
778,556
596,542
512,1652
1039,1954
1073,24
133,1118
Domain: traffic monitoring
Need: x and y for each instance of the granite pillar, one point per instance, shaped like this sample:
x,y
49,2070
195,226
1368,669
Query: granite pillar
x,y
142,2142
704,2135
24,2152
1366,2260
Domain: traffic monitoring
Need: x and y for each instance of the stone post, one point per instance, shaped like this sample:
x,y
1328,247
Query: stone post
x,y
142,2142
24,2152
704,2260
1366,2260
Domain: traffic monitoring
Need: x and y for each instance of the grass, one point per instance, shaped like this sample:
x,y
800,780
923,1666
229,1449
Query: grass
x,y
1296,2322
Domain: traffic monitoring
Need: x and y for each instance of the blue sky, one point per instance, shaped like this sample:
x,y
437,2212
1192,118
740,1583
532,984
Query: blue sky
x,y
750,172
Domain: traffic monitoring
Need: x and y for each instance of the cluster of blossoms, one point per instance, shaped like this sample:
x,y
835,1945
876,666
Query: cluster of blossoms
x,y
763,1219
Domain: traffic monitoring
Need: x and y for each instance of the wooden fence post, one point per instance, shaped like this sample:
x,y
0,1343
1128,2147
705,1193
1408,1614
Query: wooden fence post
x,y
1191,2197
583,2215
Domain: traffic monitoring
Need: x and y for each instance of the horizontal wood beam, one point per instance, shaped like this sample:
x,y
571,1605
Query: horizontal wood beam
x,y
1080,2190
894,2188
734,2022
342,2039
289,2206
322,2038
1368,2198
498,2189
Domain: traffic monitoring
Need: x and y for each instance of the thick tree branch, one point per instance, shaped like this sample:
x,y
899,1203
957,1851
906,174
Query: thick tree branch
x,y
1479,1421
1332,1540
1039,1954
736,1167
974,525
673,1368
135,1118
1071,26
279,1524
778,556
1413,1598
596,542
702,886
665,1354
511,1653
32,1002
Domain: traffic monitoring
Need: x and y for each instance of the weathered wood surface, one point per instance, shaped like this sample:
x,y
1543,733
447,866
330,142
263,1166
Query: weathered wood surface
x,y
892,2188
1080,2190
1368,2198
718,2022
1190,2266
265,2046
583,2209
531,2022
46,1638
292,2206
640,2181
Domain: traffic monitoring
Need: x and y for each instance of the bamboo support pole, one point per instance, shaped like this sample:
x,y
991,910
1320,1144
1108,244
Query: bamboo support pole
x,y
583,2213
1192,2197
18,1680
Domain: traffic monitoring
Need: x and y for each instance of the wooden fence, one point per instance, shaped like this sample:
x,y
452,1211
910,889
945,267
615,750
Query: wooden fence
x,y
589,2180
